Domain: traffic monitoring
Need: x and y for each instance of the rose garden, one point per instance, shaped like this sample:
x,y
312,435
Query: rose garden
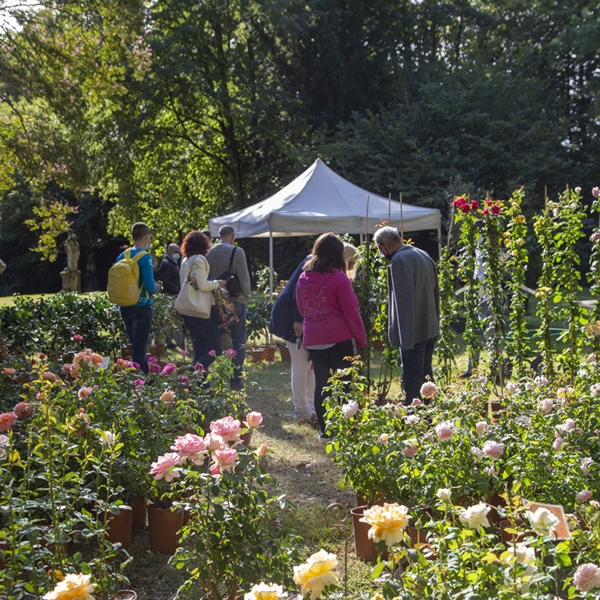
x,y
487,487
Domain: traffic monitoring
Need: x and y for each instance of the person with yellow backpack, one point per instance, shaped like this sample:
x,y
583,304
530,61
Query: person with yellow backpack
x,y
131,286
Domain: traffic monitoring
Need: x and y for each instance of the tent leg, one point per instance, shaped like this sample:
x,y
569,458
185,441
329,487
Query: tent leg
x,y
270,275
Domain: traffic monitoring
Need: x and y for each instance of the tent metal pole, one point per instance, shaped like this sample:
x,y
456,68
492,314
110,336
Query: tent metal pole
x,y
270,274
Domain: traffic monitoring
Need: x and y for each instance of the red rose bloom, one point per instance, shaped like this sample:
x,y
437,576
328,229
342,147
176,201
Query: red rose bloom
x,y
496,209
465,208
474,205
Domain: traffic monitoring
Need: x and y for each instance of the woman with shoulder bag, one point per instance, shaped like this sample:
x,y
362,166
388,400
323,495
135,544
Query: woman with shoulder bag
x,y
195,301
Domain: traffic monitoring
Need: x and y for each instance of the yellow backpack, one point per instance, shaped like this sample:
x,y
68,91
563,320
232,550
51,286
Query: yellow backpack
x,y
124,280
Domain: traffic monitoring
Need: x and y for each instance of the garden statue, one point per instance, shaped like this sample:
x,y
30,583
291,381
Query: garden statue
x,y
71,276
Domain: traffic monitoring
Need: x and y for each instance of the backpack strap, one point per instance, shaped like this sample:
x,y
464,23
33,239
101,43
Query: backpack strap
x,y
231,259
136,258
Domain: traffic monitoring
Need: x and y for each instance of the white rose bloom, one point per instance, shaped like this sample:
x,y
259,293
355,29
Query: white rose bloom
x,y
475,516
444,494
542,521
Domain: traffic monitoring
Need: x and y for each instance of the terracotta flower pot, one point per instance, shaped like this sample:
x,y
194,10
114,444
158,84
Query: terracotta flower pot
x,y
256,354
417,536
285,354
120,526
164,526
140,515
378,344
269,353
246,438
363,546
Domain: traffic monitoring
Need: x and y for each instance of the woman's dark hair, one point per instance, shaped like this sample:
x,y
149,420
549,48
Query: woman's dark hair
x,y
194,242
327,254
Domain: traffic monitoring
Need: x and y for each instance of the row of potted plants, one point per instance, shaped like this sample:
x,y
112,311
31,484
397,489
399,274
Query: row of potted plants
x,y
76,441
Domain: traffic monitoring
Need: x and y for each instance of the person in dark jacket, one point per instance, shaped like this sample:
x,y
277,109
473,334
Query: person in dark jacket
x,y
169,270
286,323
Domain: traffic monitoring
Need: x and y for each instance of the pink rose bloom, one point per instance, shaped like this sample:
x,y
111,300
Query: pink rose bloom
x,y
416,402
596,192
254,419
584,496
569,425
24,410
512,387
7,420
190,446
153,368
184,380
262,450
230,353
168,369
558,442
410,450
587,577
585,465
595,237
350,409
429,390
591,357
165,467
215,469
481,428
477,452
493,449
228,428
528,386
226,458
198,368
430,436
48,375
77,338
139,383
213,441
152,360
84,392
546,405
523,420
384,438
168,397
541,381
212,353
444,432
183,352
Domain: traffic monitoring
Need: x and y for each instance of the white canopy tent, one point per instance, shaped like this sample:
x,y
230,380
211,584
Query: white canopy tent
x,y
318,201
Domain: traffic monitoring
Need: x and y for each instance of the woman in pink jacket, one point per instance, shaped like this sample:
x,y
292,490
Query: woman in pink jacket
x,y
332,325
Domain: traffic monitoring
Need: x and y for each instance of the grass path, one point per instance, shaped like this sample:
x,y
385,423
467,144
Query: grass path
x,y
306,475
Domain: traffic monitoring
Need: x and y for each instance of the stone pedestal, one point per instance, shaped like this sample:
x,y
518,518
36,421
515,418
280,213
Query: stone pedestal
x,y
71,280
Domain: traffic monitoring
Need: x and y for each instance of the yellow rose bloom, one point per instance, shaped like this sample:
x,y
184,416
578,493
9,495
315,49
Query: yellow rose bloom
x,y
520,219
264,591
317,573
387,522
72,587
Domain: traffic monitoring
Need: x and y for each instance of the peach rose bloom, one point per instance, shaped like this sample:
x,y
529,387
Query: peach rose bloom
x,y
317,573
387,522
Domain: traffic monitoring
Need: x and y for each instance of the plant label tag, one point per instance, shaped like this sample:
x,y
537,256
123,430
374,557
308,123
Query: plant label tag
x,y
561,531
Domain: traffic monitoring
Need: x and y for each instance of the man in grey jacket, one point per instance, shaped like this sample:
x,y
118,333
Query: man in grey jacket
x,y
413,308
219,259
